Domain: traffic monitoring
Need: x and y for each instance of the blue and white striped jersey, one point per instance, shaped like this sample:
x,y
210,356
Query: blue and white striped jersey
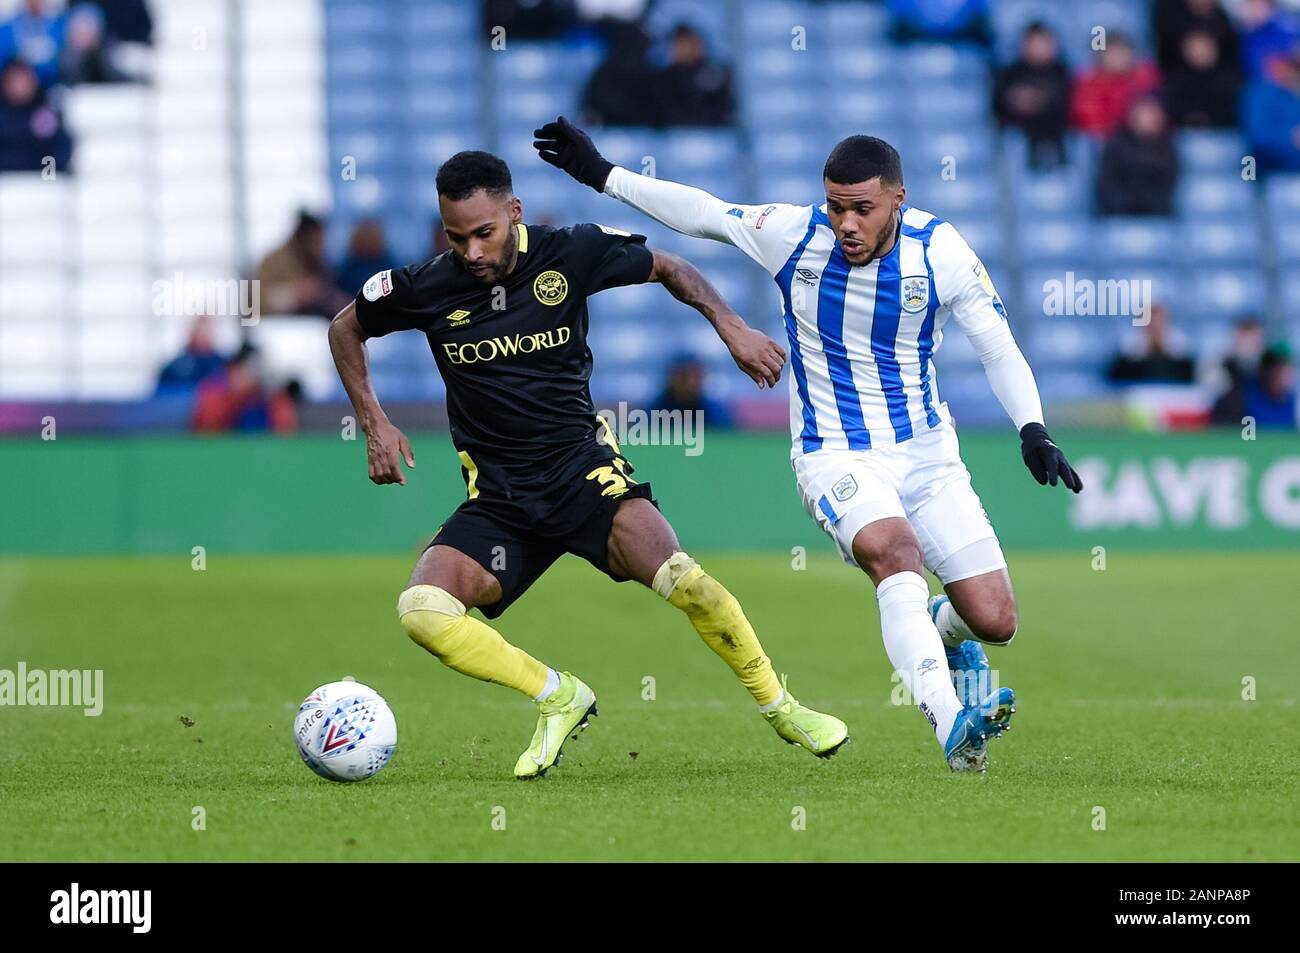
x,y
862,338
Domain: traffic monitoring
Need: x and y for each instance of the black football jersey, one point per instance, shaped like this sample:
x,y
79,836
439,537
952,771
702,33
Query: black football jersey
x,y
513,355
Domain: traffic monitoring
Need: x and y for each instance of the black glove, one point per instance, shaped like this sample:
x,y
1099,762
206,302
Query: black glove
x,y
567,147
1045,459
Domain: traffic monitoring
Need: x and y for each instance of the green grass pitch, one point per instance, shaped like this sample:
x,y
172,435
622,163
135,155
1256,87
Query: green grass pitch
x,y
1129,683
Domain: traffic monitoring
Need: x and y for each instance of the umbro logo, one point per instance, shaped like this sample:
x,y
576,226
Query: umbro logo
x,y
807,275
457,318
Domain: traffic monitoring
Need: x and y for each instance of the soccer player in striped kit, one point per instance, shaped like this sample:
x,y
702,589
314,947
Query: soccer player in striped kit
x,y
867,286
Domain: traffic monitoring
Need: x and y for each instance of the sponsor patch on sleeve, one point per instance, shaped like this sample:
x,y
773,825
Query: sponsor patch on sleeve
x,y
755,217
613,231
982,274
379,286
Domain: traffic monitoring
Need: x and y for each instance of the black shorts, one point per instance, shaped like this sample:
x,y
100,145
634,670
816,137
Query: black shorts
x,y
518,539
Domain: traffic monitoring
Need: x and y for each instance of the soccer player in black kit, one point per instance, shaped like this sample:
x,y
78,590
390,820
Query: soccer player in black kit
x,y
505,313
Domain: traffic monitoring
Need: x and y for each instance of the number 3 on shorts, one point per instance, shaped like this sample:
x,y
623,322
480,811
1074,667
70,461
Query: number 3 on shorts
x,y
613,478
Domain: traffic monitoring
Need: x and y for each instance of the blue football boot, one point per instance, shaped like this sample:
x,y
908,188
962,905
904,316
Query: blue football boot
x,y
967,663
976,725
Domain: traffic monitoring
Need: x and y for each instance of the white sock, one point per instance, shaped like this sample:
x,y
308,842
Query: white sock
x,y
952,628
914,647
552,683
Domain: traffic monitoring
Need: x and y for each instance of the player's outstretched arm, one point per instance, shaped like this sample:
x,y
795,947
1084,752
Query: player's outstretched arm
x,y
682,208
386,446
753,351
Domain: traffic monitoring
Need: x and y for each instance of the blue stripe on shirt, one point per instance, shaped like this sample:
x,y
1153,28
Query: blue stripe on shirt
x,y
926,342
884,331
830,325
925,345
808,435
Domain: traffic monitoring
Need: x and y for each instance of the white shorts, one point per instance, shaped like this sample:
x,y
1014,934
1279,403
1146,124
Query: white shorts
x,y
922,480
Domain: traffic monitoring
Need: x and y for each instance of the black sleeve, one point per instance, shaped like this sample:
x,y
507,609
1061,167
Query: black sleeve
x,y
386,303
609,258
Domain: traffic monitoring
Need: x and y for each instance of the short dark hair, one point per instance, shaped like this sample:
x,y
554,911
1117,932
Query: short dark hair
x,y
862,158
466,172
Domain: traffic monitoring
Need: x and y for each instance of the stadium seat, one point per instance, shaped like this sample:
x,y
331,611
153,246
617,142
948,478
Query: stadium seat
x,y
789,153
1284,238
1220,293
952,153
1290,287
866,70
1058,194
769,22
1081,341
940,66
1282,198
958,106
1233,241
1202,196
1068,240
701,150
1210,151
428,23
1138,241
852,23
985,235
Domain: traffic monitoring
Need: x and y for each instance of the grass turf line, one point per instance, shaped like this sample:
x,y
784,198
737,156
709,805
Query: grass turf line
x,y
1129,684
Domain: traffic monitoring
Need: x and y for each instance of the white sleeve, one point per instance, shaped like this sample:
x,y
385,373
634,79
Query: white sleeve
x,y
1009,374
965,288
766,233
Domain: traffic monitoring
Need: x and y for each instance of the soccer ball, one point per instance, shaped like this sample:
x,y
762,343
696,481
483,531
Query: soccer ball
x,y
345,731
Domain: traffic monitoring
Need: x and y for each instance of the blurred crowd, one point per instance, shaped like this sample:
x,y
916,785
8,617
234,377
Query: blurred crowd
x,y
1210,71
647,77
1215,64
1254,380
228,391
46,46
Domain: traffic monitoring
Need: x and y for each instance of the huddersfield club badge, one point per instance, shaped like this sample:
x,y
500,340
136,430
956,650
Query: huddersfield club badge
x,y
916,293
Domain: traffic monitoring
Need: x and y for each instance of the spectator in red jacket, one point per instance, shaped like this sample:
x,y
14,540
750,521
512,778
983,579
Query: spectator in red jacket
x,y
1102,95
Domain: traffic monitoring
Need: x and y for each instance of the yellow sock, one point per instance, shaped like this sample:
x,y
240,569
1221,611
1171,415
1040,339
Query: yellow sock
x,y
721,622
436,620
